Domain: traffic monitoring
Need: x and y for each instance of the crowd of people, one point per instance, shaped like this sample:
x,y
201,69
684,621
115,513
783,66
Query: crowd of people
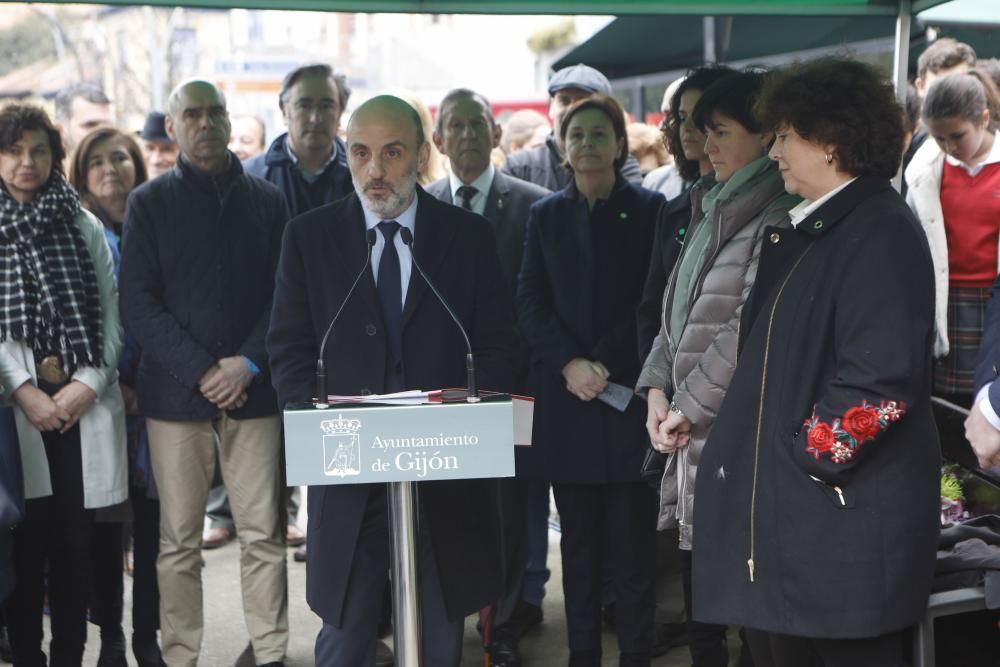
x,y
739,309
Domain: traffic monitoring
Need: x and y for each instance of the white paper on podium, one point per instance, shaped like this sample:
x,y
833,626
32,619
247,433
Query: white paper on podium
x,y
524,418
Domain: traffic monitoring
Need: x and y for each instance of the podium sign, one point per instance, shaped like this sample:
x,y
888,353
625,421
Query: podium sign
x,y
370,443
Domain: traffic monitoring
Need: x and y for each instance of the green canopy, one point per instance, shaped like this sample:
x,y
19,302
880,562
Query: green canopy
x,y
616,7
676,42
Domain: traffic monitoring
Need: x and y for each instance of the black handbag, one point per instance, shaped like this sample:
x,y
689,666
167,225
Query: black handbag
x,y
11,480
653,466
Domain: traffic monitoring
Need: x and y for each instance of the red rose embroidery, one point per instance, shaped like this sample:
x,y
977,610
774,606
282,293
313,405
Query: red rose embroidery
x,y
821,438
861,423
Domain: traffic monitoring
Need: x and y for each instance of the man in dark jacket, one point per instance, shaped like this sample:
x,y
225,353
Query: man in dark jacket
x,y
308,163
543,165
198,259
466,133
393,334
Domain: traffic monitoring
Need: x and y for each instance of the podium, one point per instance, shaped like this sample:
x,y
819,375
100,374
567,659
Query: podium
x,y
402,445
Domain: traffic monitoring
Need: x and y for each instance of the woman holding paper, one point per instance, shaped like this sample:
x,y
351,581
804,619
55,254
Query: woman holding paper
x,y
585,260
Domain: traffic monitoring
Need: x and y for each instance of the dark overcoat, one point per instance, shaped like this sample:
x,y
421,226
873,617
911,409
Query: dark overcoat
x,y
818,490
322,252
566,310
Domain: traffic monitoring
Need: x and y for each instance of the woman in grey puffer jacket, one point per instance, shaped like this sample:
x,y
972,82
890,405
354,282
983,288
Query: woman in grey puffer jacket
x,y
693,357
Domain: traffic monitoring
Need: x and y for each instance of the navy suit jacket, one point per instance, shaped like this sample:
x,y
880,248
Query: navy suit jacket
x,y
988,364
322,252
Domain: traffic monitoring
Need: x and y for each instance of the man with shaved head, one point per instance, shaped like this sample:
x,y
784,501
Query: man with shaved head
x,y
197,278
393,334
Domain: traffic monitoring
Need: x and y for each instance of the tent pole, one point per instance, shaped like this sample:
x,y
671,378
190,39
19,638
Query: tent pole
x,y
901,61
711,52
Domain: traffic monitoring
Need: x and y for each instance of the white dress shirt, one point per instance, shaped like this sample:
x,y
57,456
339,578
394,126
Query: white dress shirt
x,y
482,184
804,209
408,219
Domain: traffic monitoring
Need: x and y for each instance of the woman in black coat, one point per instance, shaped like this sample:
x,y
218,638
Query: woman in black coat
x,y
818,493
585,259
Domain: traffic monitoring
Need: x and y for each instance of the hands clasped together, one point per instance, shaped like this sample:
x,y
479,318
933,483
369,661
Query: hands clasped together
x,y
225,383
668,428
58,412
585,379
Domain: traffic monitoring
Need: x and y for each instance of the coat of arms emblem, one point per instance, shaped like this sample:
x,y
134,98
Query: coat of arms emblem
x,y
341,447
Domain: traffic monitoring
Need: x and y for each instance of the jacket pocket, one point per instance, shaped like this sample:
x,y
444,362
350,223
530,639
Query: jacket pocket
x,y
842,498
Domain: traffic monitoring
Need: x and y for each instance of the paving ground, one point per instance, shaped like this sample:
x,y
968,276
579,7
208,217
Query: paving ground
x,y
226,636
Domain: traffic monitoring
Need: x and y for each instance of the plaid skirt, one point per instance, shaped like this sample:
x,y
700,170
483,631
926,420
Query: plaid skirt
x,y
955,373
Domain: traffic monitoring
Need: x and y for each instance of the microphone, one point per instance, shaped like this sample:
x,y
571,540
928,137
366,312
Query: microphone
x,y
470,367
321,394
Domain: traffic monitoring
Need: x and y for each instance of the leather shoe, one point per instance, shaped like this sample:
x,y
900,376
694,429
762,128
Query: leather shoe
x,y
299,556
112,652
633,660
524,617
5,653
146,650
585,658
667,636
504,652
215,537
383,655
294,537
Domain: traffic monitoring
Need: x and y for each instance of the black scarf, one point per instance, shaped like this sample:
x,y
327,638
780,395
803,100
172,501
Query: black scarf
x,y
48,287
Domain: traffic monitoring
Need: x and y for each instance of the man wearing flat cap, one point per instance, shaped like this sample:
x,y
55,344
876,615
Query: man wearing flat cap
x,y
157,146
543,165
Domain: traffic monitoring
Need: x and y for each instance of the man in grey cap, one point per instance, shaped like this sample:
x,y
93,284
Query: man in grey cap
x,y
543,165
157,146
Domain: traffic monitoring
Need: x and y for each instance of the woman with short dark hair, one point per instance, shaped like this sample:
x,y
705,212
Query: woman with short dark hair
x,y
60,338
585,258
688,370
817,490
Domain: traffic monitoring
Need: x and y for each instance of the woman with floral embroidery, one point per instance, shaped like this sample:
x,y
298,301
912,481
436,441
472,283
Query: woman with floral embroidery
x,y
818,489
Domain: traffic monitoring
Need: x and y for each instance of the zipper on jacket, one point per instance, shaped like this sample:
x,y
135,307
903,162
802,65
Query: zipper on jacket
x,y
760,414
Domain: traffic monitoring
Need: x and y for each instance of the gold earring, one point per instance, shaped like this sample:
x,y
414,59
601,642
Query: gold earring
x,y
829,158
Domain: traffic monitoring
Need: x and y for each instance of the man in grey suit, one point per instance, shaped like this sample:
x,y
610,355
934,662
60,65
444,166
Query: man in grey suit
x,y
466,132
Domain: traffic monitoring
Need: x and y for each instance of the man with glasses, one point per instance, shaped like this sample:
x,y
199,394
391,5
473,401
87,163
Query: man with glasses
x,y
309,162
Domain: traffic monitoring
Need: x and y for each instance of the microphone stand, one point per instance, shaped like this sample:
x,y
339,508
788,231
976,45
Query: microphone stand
x,y
321,395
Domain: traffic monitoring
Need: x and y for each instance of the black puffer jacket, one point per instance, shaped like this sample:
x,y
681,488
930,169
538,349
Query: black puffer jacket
x,y
197,277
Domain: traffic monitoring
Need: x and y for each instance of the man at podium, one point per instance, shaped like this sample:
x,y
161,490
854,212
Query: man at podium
x,y
393,334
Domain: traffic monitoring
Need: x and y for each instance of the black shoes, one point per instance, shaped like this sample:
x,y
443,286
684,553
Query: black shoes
x,y
5,653
504,651
524,617
112,652
146,650
667,636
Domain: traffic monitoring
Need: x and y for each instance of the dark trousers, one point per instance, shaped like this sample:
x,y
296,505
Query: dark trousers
x,y
57,531
109,586
353,644
708,641
536,571
514,545
611,524
146,546
775,650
